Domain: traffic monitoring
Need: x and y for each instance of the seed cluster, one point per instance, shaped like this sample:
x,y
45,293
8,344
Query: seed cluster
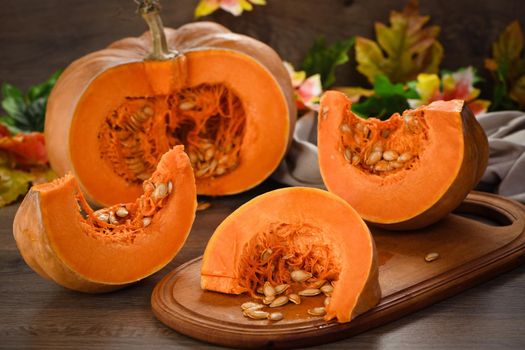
x,y
283,294
381,149
208,119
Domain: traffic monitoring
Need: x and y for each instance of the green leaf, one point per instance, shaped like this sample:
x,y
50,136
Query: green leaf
x,y
323,59
44,89
403,50
388,99
26,113
9,123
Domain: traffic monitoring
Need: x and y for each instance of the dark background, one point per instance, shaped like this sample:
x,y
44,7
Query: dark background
x,y
38,37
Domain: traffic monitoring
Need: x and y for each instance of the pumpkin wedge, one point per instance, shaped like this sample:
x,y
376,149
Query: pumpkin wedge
x,y
226,97
64,240
284,234
406,172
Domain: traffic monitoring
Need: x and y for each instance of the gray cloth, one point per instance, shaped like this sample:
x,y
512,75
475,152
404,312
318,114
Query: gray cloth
x,y
505,173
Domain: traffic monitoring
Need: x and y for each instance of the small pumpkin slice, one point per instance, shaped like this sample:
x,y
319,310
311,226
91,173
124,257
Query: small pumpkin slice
x,y
64,240
406,172
295,229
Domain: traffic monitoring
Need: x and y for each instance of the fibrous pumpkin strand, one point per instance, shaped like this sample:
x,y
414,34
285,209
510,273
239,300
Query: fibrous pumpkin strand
x,y
382,148
208,119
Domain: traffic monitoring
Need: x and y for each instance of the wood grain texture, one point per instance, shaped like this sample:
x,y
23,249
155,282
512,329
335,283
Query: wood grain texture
x,y
37,313
470,252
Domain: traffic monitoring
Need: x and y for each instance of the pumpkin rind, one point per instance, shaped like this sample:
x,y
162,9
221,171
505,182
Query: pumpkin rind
x,y
202,45
451,160
60,245
334,224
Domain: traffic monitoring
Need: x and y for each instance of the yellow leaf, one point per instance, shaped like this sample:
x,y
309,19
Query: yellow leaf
x,y
206,7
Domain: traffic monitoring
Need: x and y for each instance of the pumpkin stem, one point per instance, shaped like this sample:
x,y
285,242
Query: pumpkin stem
x,y
150,11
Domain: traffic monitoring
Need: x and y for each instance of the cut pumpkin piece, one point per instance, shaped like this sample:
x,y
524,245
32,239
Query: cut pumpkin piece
x,y
226,97
406,172
282,234
64,240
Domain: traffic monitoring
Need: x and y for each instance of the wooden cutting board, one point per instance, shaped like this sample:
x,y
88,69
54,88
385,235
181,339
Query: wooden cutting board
x,y
485,237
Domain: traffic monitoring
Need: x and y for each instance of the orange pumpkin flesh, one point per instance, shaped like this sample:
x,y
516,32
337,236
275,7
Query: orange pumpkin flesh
x,y
290,229
226,97
406,172
105,250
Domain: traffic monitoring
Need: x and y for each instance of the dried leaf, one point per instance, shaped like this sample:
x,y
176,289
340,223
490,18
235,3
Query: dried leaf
x,y
508,69
403,50
26,149
13,183
235,7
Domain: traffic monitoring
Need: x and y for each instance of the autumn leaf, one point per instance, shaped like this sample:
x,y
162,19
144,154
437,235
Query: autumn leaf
x,y
449,86
508,68
26,149
307,90
235,7
403,50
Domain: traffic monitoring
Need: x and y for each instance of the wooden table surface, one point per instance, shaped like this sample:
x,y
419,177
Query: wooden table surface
x,y
36,313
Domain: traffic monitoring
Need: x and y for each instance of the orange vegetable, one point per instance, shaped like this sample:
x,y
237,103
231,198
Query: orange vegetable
x,y
225,96
295,229
64,240
406,172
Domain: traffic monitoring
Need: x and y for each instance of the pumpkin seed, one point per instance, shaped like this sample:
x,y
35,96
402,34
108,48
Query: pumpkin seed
x,y
268,290
431,257
186,105
345,128
333,283
294,298
377,147
265,255
327,289
317,284
147,110
267,300
374,157
170,186
382,166
161,191
122,212
251,305
260,290
366,131
310,292
348,154
220,170
317,311
193,157
146,221
256,314
103,217
203,205
288,256
355,159
281,288
326,301
275,316
390,155
395,164
280,301
300,275
209,153
112,219
405,156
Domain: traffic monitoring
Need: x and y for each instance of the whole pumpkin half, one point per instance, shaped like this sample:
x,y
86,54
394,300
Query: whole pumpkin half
x,y
300,238
64,240
226,97
406,172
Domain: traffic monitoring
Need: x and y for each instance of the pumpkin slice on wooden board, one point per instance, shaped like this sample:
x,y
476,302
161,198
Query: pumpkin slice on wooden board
x,y
226,97
281,235
406,172
64,240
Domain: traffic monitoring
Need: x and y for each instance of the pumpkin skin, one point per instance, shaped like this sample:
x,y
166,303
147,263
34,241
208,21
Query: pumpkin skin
x,y
92,88
89,255
446,154
296,218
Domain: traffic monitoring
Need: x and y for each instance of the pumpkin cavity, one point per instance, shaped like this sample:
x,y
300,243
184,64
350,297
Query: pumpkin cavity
x,y
208,119
123,222
297,255
383,147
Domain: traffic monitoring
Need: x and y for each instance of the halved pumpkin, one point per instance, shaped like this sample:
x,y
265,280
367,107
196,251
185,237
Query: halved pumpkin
x,y
406,172
225,96
64,240
295,229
